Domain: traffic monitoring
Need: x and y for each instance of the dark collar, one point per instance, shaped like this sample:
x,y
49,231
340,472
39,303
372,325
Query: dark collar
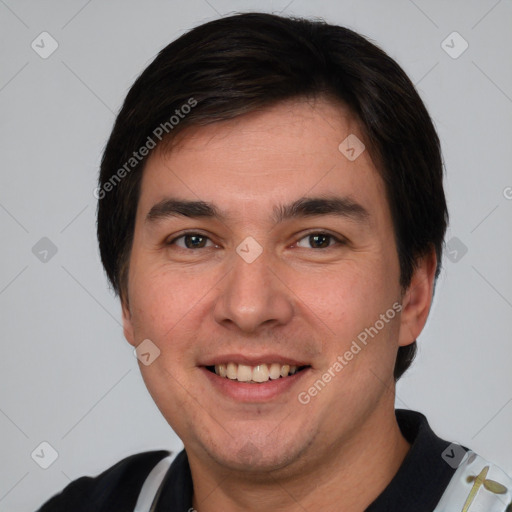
x,y
417,486
423,476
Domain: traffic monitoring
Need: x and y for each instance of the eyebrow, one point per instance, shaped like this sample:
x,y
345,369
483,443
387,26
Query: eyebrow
x,y
303,207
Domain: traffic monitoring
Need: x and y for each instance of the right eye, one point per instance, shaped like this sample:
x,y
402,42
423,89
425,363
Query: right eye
x,y
191,241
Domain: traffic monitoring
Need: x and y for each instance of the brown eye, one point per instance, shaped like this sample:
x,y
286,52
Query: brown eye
x,y
317,241
191,241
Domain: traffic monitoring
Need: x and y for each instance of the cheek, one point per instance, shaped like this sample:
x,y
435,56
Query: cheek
x,y
170,306
160,299
347,302
345,295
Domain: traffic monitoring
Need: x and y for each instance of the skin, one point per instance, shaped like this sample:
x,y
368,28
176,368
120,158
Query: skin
x,y
339,451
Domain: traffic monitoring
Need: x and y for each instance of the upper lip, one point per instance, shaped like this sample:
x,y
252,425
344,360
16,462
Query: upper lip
x,y
252,360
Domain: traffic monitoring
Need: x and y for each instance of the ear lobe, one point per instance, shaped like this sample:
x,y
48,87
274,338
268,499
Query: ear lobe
x,y
127,324
418,299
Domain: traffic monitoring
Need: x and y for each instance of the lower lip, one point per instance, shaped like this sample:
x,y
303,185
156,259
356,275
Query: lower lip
x,y
259,392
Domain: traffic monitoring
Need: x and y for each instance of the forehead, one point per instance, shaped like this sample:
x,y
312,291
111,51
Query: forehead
x,y
292,149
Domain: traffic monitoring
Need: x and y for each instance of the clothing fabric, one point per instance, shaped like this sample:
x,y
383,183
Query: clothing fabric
x,y
477,485
435,476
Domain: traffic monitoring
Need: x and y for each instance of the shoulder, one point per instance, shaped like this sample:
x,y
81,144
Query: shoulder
x,y
117,488
477,484
442,476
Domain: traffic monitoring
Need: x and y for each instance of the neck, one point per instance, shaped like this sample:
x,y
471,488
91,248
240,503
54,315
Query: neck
x,y
345,477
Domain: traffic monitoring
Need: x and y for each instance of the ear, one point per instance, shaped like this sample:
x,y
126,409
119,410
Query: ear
x,y
417,299
127,323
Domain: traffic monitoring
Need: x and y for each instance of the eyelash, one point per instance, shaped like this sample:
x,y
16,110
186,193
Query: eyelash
x,y
337,240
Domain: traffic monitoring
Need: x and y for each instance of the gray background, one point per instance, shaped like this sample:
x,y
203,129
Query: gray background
x,y
67,375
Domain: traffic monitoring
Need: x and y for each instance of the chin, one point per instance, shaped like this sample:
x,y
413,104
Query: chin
x,y
257,454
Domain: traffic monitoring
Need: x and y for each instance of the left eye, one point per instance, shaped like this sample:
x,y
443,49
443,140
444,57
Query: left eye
x,y
192,241
317,240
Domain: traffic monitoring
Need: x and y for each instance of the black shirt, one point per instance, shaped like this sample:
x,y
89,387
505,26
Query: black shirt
x,y
417,486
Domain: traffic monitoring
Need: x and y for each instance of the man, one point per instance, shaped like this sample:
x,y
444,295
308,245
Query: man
x,y
271,214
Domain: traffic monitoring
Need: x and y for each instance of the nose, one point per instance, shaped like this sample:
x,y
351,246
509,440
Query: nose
x,y
252,296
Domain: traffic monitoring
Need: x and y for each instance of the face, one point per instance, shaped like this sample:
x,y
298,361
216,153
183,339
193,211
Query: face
x,y
262,252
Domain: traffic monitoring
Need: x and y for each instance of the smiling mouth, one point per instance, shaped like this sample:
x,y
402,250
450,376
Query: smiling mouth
x,y
257,374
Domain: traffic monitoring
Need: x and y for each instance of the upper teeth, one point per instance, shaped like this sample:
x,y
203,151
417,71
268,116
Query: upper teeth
x,y
258,373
